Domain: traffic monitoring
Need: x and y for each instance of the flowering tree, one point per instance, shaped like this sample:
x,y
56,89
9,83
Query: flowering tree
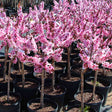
x,y
6,37
64,16
29,31
94,49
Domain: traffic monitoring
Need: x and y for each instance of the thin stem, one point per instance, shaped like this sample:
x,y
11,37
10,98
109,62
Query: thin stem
x,y
8,87
53,76
104,72
69,74
19,65
5,62
94,86
42,89
91,51
23,77
82,88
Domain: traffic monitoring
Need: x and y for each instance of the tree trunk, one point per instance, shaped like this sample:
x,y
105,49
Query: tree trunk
x,y
82,89
19,65
5,62
8,87
94,86
42,89
53,76
69,73
104,72
23,77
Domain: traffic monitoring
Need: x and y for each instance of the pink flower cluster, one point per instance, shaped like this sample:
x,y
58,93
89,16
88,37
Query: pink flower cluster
x,y
47,33
96,35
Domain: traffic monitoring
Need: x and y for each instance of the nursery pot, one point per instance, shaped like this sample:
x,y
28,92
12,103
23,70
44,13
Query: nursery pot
x,y
29,91
107,77
3,86
57,95
72,55
104,89
97,106
16,74
12,106
71,86
29,66
62,63
37,77
77,109
47,102
2,59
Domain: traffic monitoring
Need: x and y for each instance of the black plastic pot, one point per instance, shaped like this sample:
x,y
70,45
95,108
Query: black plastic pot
x,y
77,59
46,101
73,104
96,106
89,72
28,67
59,99
58,73
2,58
15,107
39,79
27,93
72,56
89,110
3,86
72,88
102,90
62,63
108,78
17,77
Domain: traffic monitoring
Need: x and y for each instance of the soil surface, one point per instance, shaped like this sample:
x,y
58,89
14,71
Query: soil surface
x,y
78,110
17,72
77,61
47,75
77,70
58,68
71,54
2,60
12,100
72,79
63,61
97,84
88,98
38,75
77,66
107,72
29,64
28,84
74,110
58,91
2,81
36,107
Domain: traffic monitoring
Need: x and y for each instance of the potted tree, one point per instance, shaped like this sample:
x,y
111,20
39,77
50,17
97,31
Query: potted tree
x,y
8,101
93,55
63,14
41,63
28,88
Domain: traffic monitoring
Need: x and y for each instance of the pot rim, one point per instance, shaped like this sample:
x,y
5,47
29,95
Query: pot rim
x,y
28,79
45,100
12,94
109,84
90,91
